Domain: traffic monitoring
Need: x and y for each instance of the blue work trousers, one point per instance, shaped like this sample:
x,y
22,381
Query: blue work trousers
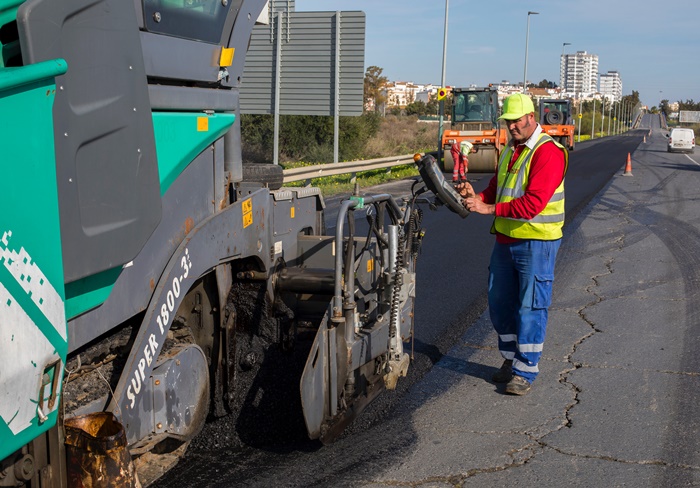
x,y
520,293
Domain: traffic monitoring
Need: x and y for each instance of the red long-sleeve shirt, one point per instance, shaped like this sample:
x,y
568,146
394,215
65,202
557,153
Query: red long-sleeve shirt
x,y
546,173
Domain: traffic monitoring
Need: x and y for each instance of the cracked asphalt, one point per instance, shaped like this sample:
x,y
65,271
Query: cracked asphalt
x,y
617,402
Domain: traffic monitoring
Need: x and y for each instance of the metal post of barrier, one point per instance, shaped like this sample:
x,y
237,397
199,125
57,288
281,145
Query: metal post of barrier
x,y
579,124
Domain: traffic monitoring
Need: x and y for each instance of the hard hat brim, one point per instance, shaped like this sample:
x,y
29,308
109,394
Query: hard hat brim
x,y
512,116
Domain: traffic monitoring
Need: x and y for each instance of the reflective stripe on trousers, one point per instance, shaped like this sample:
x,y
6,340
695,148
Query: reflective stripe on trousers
x,y
520,293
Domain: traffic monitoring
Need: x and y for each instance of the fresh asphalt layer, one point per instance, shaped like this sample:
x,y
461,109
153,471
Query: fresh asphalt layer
x,y
617,402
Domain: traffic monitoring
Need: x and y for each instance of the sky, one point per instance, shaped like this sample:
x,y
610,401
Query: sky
x,y
654,45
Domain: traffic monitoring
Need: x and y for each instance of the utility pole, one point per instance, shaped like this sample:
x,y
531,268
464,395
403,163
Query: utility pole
x,y
444,63
562,68
527,39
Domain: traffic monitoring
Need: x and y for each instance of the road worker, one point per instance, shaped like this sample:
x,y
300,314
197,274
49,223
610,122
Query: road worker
x,y
460,157
526,198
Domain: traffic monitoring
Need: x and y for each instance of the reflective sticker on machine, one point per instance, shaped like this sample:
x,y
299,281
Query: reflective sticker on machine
x,y
25,352
278,247
202,124
291,213
226,58
34,283
370,265
247,207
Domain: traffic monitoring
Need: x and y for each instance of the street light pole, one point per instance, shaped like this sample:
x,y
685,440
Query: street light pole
x,y
622,117
593,121
564,45
563,63
444,63
527,40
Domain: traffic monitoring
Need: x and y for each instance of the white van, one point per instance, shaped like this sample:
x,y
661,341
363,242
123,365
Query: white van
x,y
682,140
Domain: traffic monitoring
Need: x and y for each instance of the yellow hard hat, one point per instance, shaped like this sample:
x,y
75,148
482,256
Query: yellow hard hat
x,y
516,105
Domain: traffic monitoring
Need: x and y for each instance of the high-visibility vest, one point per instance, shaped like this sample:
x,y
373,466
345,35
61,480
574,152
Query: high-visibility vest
x,y
512,183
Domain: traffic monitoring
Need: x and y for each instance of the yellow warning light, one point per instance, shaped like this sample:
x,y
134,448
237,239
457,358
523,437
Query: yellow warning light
x,y
226,58
417,157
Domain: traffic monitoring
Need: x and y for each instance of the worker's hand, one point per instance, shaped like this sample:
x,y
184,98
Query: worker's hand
x,y
477,205
465,190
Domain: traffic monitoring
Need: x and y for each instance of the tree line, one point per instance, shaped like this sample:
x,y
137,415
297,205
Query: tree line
x,y
690,105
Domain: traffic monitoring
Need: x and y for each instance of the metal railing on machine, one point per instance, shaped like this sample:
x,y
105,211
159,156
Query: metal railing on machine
x,y
306,173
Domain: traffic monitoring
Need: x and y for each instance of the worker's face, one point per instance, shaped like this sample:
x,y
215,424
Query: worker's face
x,y
521,129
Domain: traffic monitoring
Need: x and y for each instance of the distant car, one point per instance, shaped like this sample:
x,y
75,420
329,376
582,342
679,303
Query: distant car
x,y
681,140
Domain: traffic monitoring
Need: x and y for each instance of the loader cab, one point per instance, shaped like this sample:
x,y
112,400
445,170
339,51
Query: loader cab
x,y
476,109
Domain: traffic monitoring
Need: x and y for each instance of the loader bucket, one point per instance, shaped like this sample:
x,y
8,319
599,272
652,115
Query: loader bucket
x,y
97,454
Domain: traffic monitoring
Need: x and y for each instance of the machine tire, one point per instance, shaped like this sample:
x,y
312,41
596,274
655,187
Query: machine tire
x,y
270,175
484,160
564,141
448,163
555,117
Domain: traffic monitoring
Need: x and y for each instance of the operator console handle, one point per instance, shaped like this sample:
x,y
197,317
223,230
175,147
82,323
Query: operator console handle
x,y
443,190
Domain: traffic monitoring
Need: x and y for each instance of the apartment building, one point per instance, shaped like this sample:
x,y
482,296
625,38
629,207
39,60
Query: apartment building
x,y
611,86
579,74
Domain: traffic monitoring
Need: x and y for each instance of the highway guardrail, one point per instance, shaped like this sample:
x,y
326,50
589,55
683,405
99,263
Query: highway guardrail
x,y
353,167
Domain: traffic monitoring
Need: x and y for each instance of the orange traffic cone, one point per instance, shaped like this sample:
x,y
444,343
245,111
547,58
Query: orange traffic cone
x,y
628,166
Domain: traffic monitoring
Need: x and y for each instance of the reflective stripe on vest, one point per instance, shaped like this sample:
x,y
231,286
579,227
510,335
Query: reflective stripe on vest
x,y
512,183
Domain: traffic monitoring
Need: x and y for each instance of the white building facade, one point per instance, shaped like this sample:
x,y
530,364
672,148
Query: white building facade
x,y
611,86
579,74
402,93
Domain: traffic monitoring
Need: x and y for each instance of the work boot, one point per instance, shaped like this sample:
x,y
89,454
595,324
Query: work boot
x,y
518,386
504,374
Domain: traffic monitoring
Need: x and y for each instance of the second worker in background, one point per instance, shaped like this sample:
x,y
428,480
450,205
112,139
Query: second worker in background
x,y
526,198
